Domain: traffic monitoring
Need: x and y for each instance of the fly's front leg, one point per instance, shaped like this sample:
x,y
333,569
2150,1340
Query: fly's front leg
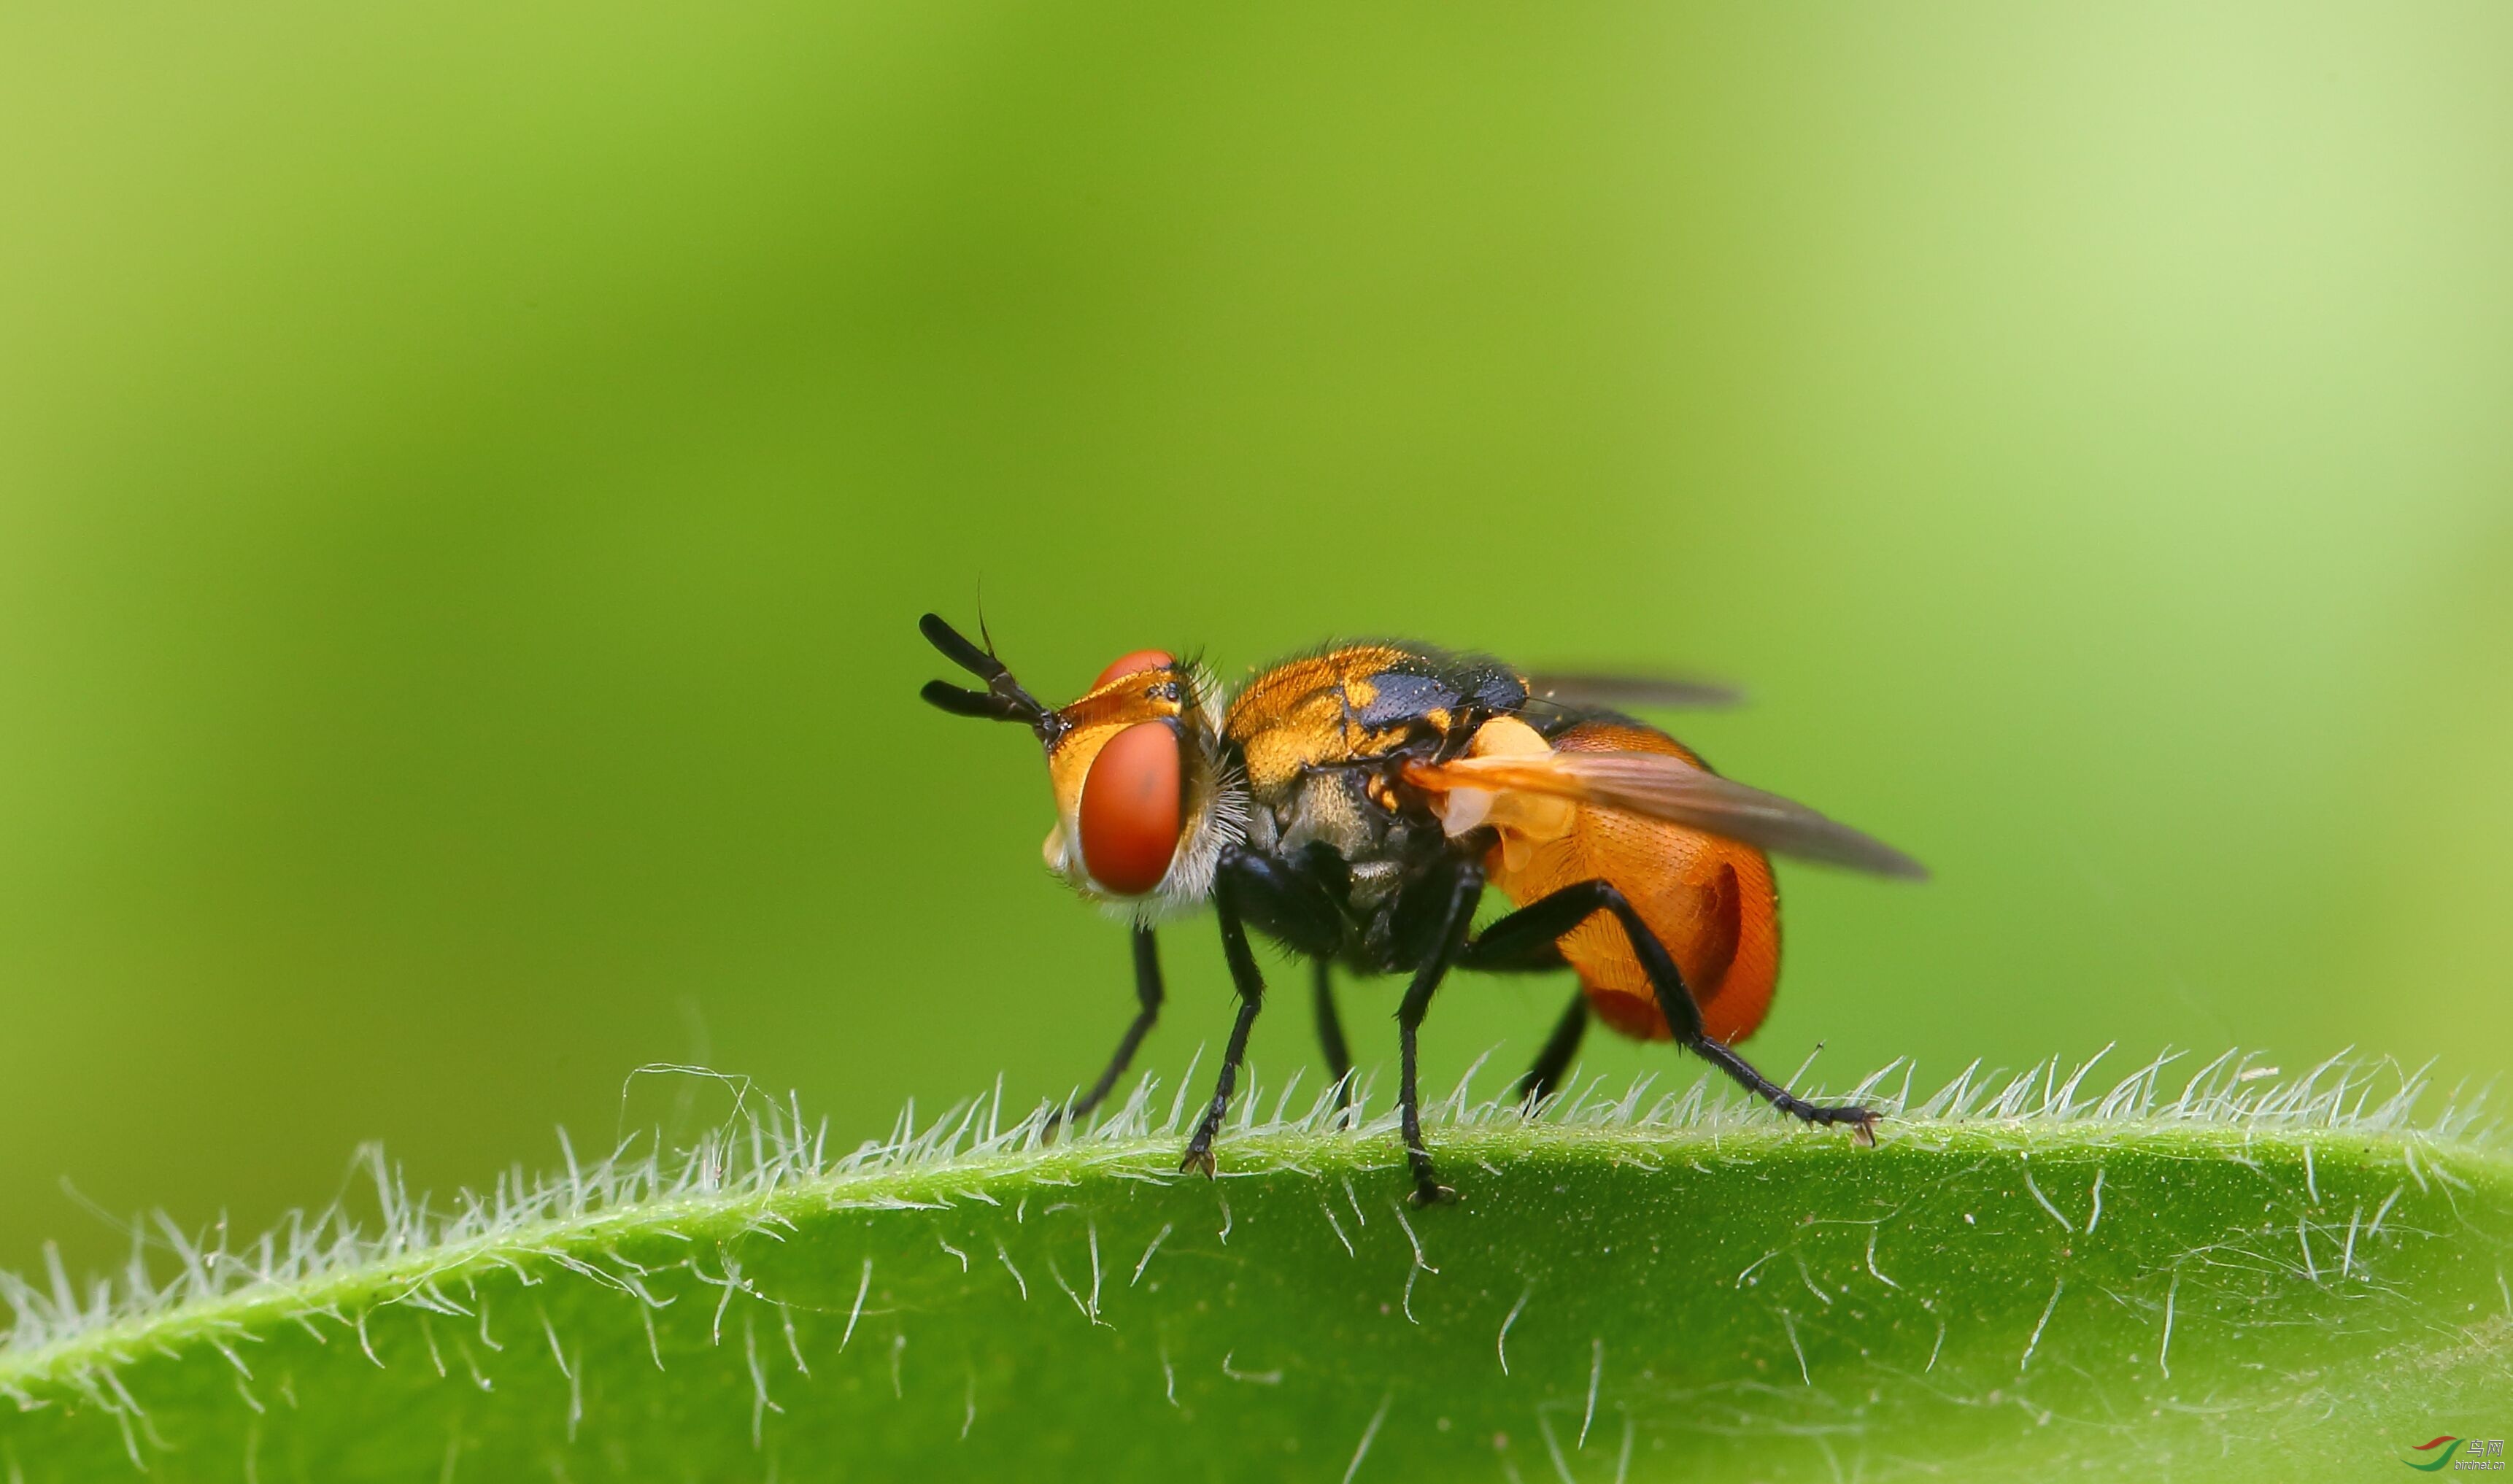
x,y
1465,888
1251,984
1147,995
1276,897
1550,917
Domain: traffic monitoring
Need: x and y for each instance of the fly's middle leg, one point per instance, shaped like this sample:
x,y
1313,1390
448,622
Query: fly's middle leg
x,y
1331,1040
1465,888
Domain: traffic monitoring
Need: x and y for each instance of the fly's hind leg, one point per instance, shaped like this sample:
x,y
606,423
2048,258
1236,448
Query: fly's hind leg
x,y
1525,948
1546,1073
1548,918
1719,1054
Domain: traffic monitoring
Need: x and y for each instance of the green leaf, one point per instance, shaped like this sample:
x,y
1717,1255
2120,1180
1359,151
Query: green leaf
x,y
2017,1277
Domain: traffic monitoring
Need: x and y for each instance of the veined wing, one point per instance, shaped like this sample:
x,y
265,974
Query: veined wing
x,y
1668,788
1579,689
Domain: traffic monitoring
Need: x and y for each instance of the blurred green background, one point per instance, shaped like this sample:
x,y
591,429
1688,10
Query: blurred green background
x,y
468,475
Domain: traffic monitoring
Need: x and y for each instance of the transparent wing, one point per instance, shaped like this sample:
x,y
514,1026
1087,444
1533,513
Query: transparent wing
x,y
1616,692
1669,789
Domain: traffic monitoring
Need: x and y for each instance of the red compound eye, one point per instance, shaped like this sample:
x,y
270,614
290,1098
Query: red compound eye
x,y
1135,663
1131,807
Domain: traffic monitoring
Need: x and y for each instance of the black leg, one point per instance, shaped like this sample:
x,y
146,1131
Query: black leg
x,y
1550,917
1554,1059
1330,1038
1279,898
1251,982
1465,888
1147,993
1861,1121
1530,936
1521,944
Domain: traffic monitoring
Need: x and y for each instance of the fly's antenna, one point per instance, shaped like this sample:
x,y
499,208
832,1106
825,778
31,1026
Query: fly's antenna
x,y
1003,698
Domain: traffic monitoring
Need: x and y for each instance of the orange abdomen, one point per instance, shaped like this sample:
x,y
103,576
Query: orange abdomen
x,y
1712,901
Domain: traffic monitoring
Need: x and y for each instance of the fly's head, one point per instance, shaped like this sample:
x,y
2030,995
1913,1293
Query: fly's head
x,y
1145,804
